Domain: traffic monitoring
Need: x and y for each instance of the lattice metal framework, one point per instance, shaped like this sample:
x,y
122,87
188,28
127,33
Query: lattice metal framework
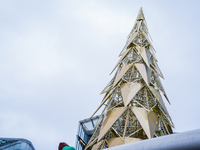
x,y
134,108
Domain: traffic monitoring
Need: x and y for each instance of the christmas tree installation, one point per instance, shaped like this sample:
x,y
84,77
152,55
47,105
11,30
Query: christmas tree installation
x,y
134,108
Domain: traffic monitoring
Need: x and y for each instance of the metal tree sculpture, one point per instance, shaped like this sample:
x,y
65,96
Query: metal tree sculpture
x,y
134,108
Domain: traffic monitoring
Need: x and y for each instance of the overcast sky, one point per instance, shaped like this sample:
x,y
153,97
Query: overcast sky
x,y
56,57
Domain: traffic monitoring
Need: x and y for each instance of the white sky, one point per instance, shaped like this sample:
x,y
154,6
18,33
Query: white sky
x,y
56,57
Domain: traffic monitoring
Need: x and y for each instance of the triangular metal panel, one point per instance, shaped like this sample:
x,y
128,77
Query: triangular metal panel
x,y
144,71
115,141
118,141
129,90
167,116
145,54
141,115
139,24
148,57
160,84
129,41
109,119
146,120
135,29
153,55
121,73
150,43
147,38
158,69
121,58
163,90
96,146
131,140
158,97
152,120
132,35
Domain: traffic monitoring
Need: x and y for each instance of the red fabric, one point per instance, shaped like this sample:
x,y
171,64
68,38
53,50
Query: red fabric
x,y
61,145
